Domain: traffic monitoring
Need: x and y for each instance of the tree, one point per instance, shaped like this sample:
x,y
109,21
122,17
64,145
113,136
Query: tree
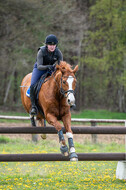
x,y
106,52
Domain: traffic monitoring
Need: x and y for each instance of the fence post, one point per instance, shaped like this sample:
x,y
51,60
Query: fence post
x,y
94,136
121,166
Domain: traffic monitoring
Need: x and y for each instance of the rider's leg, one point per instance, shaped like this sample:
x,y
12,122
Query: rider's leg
x,y
36,74
32,97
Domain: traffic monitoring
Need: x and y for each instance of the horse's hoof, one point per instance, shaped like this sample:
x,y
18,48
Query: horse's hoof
x,y
73,157
64,150
43,136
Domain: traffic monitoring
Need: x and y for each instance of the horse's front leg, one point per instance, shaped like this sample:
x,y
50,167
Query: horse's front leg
x,y
63,146
67,124
73,156
51,119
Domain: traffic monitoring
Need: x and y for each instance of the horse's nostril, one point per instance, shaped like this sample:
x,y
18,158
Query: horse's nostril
x,y
68,100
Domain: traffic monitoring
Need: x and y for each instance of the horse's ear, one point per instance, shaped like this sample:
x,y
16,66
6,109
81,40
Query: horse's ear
x,y
62,69
57,67
75,69
59,75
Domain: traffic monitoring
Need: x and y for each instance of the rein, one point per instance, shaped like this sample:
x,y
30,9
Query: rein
x,y
62,91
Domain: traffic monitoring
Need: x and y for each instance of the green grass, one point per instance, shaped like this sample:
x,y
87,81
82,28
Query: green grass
x,y
60,176
99,114
13,113
86,175
93,114
18,145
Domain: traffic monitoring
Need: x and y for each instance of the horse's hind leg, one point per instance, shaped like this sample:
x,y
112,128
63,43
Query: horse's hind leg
x,y
32,121
42,123
34,136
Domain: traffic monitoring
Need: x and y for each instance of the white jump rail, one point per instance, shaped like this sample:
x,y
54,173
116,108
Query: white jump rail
x,y
72,119
14,117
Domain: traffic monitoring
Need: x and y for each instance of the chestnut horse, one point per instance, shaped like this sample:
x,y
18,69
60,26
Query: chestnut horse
x,y
55,98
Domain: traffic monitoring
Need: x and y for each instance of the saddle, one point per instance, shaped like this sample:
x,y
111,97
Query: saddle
x,y
37,86
39,83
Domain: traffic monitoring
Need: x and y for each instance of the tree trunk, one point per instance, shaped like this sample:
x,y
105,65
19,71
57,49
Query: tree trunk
x,y
9,84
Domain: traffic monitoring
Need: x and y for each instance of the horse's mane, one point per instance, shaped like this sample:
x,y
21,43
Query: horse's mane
x,y
65,66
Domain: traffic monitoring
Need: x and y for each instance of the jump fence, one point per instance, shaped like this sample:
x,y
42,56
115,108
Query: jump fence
x,y
76,130
93,123
59,157
52,130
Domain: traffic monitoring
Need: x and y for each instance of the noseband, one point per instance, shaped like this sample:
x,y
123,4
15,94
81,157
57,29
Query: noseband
x,y
63,92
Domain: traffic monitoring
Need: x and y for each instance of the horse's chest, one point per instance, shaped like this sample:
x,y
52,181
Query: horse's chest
x,y
58,109
59,112
63,111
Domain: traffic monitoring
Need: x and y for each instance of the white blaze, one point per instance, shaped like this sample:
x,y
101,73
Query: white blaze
x,y
70,98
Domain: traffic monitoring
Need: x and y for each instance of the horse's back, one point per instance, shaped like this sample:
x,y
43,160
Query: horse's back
x,y
24,86
26,80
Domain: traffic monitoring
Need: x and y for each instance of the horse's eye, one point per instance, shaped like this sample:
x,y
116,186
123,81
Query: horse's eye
x,y
64,82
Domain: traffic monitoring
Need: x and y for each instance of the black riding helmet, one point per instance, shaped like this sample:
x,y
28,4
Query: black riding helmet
x,y
51,40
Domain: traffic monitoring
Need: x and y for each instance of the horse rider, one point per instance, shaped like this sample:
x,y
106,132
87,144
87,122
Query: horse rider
x,y
46,57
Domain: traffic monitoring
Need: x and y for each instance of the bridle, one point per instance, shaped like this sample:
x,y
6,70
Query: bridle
x,y
62,91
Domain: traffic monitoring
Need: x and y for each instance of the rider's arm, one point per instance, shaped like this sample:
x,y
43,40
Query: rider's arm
x,y
40,65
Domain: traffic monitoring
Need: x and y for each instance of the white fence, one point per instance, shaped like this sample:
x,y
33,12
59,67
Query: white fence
x,y
72,119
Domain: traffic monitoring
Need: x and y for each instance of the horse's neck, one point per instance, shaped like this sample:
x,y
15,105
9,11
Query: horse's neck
x,y
52,86
55,84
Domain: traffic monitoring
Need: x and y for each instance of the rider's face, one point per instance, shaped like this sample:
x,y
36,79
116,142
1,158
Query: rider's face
x,y
51,48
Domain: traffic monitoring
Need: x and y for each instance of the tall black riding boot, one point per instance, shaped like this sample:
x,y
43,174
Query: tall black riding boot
x,y
32,97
